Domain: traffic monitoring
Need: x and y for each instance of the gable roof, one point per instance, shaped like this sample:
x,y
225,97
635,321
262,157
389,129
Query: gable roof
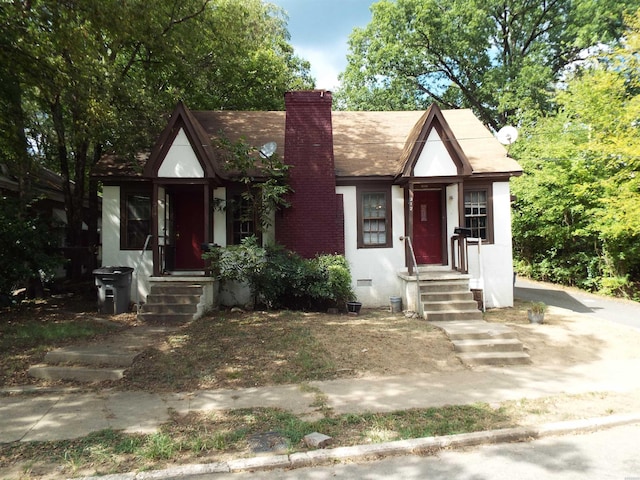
x,y
365,144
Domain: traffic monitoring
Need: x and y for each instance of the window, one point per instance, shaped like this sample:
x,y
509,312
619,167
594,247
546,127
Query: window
x,y
135,219
241,219
477,213
374,217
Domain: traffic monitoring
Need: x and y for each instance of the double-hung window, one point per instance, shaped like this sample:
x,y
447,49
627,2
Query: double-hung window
x,y
135,218
374,217
477,213
241,219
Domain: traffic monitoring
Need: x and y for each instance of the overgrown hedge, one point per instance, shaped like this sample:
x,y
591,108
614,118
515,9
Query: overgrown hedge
x,y
281,279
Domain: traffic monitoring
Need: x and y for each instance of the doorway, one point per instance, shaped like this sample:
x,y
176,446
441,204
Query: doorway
x,y
187,217
427,227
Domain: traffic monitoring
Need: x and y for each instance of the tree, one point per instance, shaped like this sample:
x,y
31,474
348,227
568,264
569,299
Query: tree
x,y
27,246
498,57
577,214
98,75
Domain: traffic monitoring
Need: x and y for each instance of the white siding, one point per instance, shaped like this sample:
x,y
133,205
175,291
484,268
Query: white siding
x,y
181,160
375,267
497,258
111,253
220,217
434,160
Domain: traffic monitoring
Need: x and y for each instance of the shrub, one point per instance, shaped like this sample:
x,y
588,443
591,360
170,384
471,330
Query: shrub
x,y
280,278
27,246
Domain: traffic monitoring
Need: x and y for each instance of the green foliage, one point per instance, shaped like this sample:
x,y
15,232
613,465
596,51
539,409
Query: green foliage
x,y
27,246
499,58
80,78
265,180
280,278
576,219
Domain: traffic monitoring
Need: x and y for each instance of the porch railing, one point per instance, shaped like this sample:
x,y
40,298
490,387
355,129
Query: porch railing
x,y
413,267
460,259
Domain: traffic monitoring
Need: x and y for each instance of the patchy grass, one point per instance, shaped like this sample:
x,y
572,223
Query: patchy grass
x,y
236,350
29,330
209,437
218,436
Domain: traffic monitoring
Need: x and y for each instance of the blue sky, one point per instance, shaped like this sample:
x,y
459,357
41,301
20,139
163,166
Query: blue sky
x,y
320,30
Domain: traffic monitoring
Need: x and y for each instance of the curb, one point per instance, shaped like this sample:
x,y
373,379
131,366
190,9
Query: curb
x,y
424,445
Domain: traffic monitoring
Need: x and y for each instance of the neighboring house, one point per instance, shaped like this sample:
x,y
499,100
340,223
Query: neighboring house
x,y
366,184
47,192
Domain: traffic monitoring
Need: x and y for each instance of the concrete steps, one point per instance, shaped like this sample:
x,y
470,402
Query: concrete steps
x,y
76,373
495,358
478,342
90,355
446,296
171,303
104,360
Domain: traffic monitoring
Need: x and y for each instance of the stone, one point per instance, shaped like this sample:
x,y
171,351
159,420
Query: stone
x,y
317,440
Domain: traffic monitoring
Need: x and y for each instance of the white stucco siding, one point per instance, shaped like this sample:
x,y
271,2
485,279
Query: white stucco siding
x,y
111,253
374,270
497,258
181,160
453,216
220,217
434,160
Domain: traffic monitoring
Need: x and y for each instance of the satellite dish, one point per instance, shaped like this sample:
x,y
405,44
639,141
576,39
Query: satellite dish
x,y
507,135
268,149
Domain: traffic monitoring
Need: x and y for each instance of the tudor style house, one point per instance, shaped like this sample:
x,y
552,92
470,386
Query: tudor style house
x,y
407,197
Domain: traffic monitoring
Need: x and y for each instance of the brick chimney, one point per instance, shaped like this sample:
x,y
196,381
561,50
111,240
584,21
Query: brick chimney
x,y
314,224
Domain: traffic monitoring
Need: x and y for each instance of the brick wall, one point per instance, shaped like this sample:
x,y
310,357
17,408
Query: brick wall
x,y
314,223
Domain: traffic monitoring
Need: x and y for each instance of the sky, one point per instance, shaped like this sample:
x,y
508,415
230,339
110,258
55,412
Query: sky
x,y
319,32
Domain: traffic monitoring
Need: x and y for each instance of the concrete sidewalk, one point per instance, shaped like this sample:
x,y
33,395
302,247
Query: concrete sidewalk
x,y
66,415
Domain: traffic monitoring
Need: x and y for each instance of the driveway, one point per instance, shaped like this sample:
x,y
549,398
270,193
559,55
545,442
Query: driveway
x,y
620,311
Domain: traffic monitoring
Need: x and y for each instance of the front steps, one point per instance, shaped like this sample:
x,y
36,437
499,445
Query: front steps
x,y
446,296
448,302
99,361
172,303
478,342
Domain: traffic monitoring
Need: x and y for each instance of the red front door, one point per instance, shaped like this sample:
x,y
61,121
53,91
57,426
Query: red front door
x,y
427,226
189,229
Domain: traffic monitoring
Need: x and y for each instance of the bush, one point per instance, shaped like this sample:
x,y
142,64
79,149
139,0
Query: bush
x,y
27,246
280,278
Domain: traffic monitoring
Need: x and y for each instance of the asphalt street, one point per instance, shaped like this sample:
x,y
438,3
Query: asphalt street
x,y
621,311
607,454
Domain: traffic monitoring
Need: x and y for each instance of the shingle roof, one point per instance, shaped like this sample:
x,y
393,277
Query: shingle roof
x,y
364,143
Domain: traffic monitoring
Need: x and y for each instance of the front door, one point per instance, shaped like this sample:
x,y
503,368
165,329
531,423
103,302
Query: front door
x,y
427,226
188,216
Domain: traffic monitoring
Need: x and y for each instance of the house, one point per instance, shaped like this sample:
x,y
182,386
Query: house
x,y
405,196
46,193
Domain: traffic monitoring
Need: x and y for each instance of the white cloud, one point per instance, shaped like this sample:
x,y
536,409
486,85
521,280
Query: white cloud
x,y
326,64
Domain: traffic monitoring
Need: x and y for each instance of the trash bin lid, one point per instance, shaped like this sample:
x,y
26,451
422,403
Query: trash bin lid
x,y
112,270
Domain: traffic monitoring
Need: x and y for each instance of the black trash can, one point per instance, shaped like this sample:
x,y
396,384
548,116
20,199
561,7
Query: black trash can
x,y
114,289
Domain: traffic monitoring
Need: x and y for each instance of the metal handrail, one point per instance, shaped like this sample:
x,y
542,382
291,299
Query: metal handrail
x,y
415,265
144,248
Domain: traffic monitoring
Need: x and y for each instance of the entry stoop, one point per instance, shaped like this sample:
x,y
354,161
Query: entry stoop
x,y
483,343
445,296
172,302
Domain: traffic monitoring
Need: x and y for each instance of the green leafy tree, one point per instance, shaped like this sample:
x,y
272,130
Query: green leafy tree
x,y
498,57
84,77
577,214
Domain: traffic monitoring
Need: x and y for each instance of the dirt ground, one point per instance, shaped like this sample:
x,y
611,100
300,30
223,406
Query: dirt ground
x,y
567,338
240,348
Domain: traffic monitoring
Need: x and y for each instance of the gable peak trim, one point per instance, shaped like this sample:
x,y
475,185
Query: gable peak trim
x,y
417,140
182,119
